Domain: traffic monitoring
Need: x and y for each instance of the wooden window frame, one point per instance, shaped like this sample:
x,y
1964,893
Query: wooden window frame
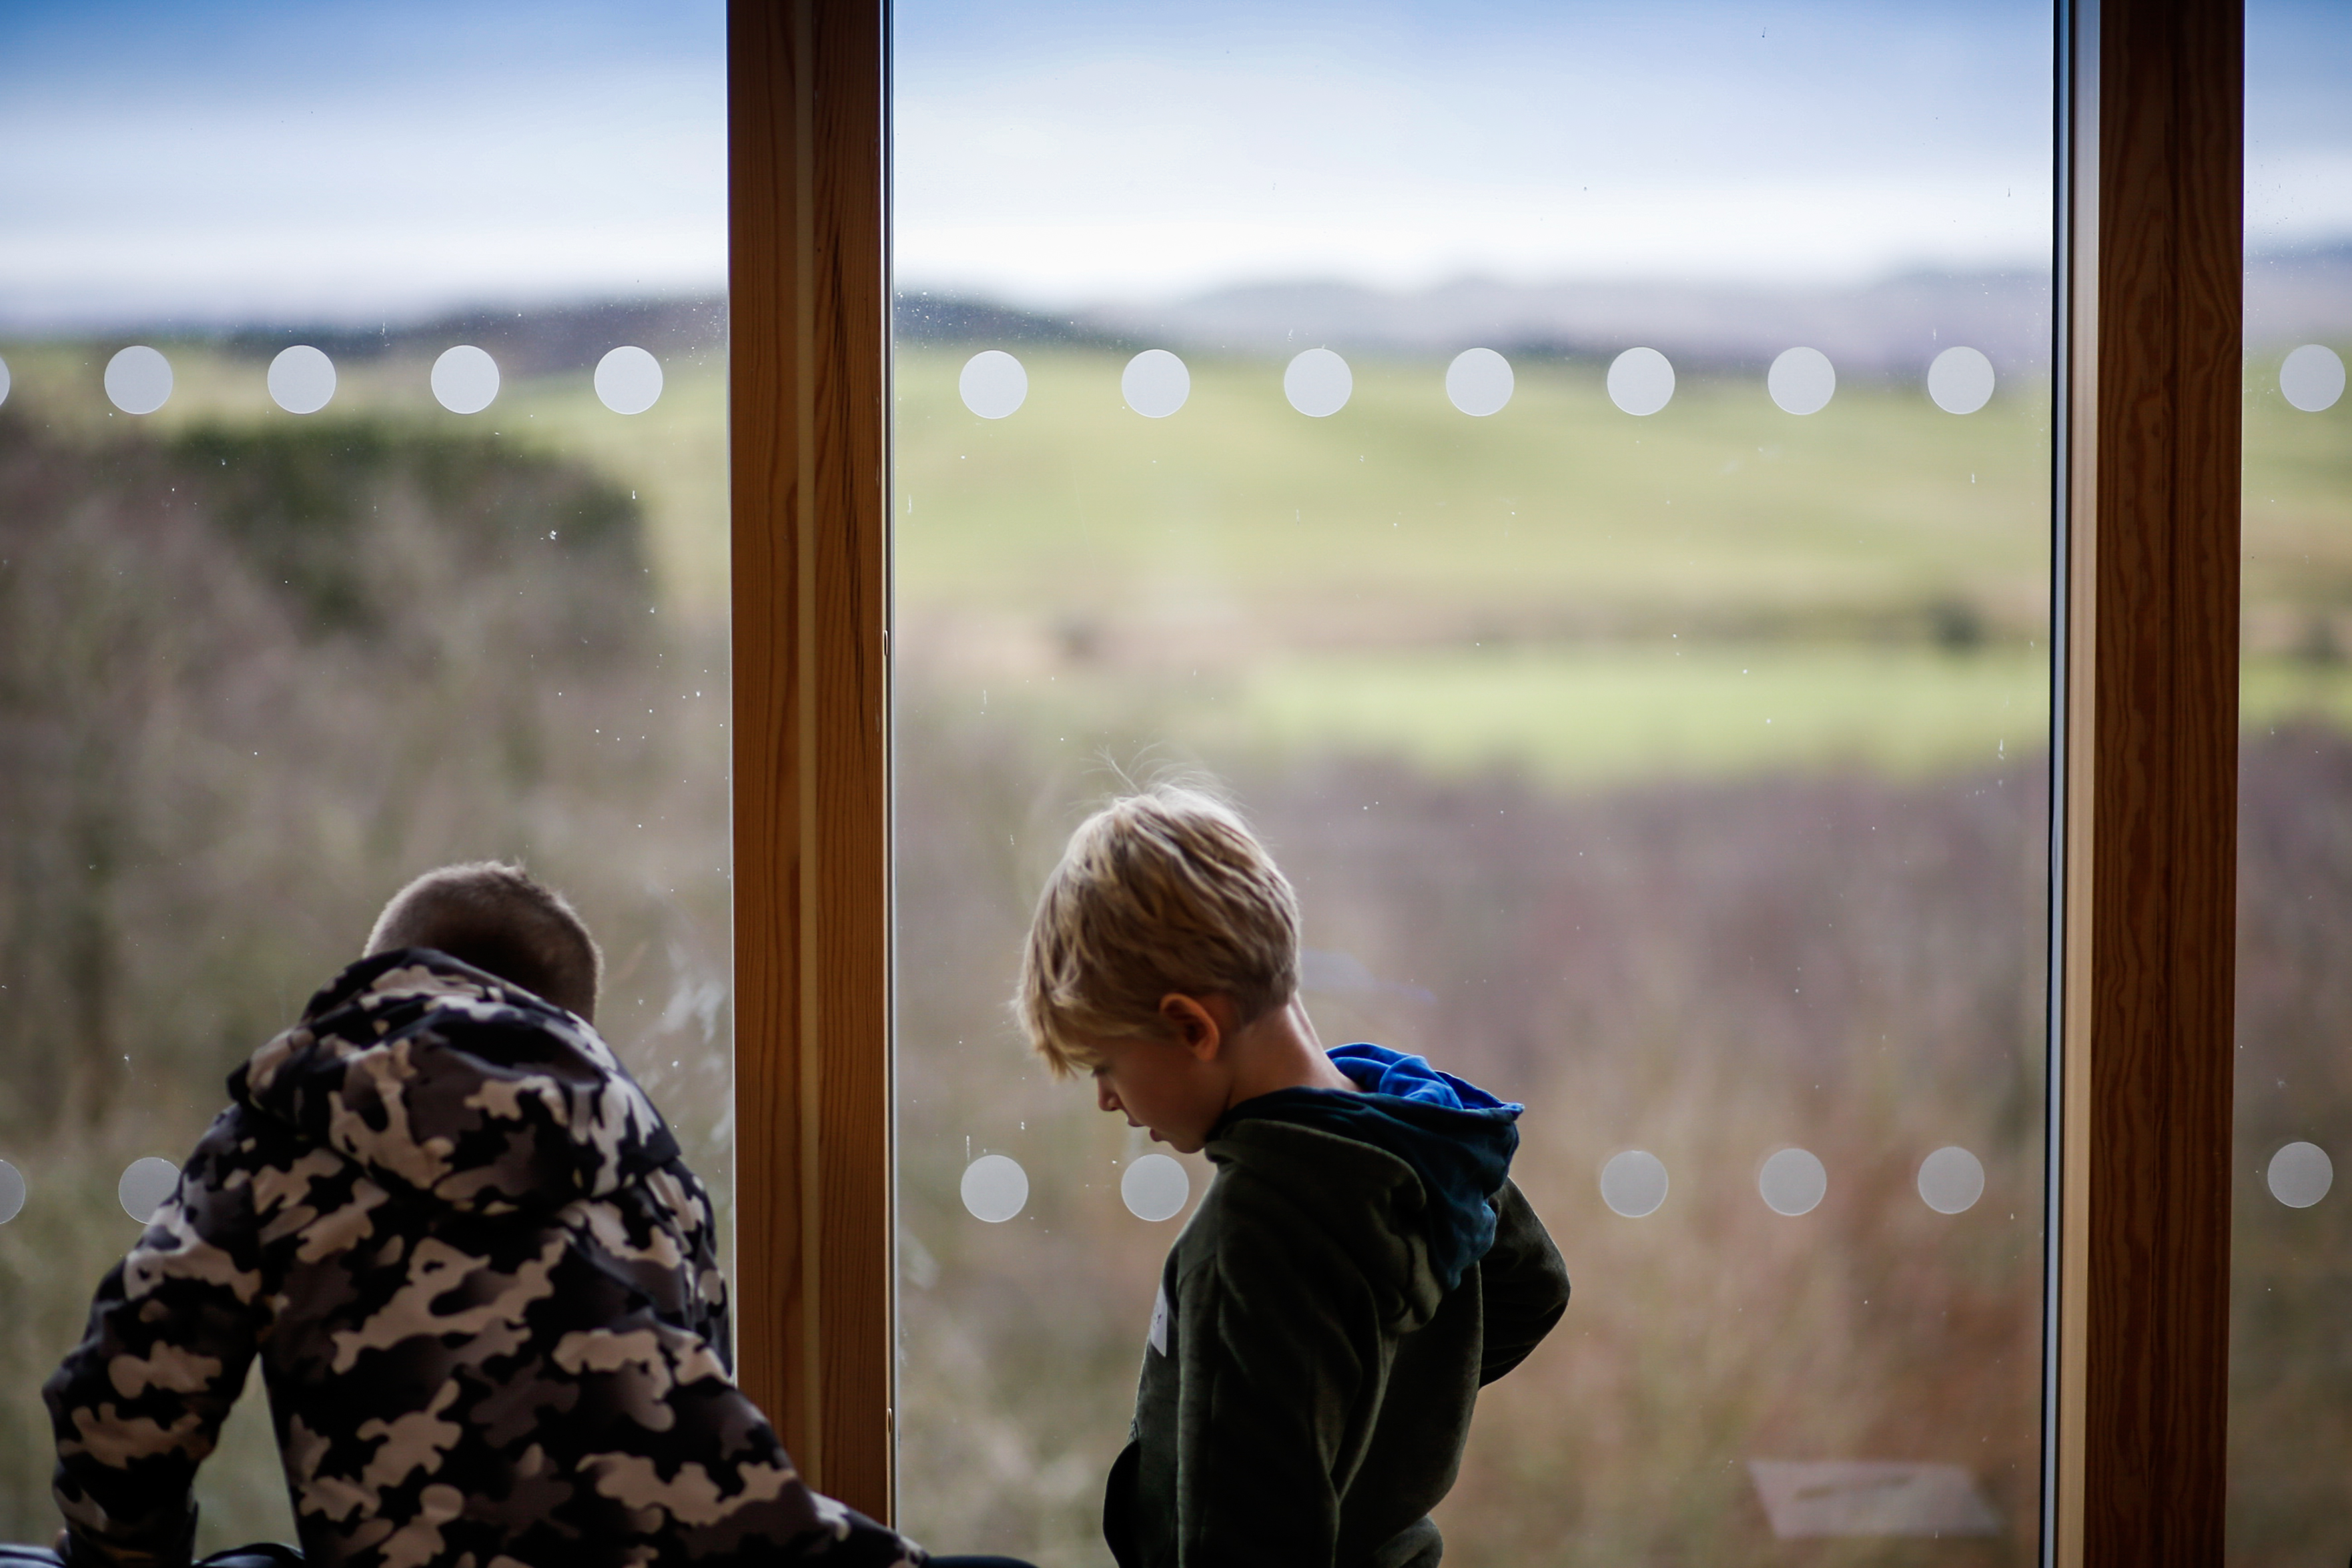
x,y
2151,116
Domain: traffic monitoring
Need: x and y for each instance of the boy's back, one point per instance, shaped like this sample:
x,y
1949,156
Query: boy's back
x,y
1325,1322
483,1287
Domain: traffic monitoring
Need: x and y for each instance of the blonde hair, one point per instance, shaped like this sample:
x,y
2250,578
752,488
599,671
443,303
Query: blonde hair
x,y
1162,890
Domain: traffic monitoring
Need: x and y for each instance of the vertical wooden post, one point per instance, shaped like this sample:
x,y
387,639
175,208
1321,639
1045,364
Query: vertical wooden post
x,y
2156,282
809,341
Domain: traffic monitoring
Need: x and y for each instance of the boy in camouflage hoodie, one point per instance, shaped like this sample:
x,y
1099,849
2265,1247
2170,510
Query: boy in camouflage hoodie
x,y
479,1278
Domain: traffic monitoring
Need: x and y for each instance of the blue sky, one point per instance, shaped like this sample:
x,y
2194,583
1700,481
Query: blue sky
x,y
221,161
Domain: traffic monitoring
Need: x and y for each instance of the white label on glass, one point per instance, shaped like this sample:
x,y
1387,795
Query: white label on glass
x,y
1802,380
993,384
465,380
629,380
301,379
1318,384
1155,384
1960,381
1640,380
1478,381
138,380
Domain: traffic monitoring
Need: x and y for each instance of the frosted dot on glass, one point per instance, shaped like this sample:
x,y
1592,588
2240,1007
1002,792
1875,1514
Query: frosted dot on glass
x,y
2311,378
145,1184
138,380
1154,1187
1951,1180
1478,381
1155,384
465,380
301,379
4,381
993,384
995,1188
1633,1183
1318,384
2300,1174
1640,380
629,380
1960,381
12,1191
1802,380
1792,1182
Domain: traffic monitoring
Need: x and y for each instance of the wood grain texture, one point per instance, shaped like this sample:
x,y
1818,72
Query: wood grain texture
x,y
2152,802
808,404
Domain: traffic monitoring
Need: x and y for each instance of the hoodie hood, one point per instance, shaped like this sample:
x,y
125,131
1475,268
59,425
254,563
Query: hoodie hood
x,y
442,1081
1457,1139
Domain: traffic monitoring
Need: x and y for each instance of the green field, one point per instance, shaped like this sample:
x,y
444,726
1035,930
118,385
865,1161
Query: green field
x,y
1717,588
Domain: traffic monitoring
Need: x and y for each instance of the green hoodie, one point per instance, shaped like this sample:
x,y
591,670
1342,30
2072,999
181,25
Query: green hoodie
x,y
1308,1382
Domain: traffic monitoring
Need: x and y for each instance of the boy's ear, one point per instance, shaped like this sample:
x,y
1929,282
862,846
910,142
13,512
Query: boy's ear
x,y
1202,1025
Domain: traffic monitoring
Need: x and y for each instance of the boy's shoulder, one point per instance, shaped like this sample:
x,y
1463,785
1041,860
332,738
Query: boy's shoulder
x,y
1301,1201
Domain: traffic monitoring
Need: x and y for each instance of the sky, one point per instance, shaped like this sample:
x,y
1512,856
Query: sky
x,y
325,160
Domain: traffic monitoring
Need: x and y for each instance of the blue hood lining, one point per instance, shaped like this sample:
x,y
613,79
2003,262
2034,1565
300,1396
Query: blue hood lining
x,y
1458,1138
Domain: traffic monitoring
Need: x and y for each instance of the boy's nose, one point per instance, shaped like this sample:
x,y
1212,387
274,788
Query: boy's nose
x,y
1106,1099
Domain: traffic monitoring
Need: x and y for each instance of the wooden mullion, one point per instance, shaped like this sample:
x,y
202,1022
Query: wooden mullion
x,y
807,411
2156,286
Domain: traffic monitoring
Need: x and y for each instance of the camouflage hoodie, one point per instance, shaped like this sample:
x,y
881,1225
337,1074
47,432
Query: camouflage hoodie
x,y
482,1286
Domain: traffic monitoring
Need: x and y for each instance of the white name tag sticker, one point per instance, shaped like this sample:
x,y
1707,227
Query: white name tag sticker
x,y
1159,1320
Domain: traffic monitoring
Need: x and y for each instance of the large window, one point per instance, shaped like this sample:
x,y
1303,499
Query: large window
x,y
2291,1270
363,507
1583,482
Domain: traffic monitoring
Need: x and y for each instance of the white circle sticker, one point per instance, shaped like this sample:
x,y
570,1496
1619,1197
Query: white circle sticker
x,y
1633,1183
1640,380
1318,384
4,381
2300,1174
1951,1180
629,380
12,1191
1792,1182
145,1184
2311,378
1961,380
1802,380
1154,1187
301,379
993,384
465,380
1478,381
1155,384
138,380
995,1188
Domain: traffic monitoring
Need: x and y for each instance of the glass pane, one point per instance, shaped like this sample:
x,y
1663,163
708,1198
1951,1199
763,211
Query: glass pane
x,y
1580,478
2291,1262
334,545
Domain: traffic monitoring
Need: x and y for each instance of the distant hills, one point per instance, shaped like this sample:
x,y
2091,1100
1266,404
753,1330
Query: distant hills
x,y
1893,325
1888,328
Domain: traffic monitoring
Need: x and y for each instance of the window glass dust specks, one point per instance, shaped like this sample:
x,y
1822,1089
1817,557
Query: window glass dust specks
x,y
1606,553
364,390
2290,1481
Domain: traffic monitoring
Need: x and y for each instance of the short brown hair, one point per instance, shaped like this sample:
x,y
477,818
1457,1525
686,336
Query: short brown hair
x,y
1165,890
502,921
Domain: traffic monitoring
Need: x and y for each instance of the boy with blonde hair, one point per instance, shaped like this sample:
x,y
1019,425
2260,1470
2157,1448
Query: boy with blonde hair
x,y
1362,1263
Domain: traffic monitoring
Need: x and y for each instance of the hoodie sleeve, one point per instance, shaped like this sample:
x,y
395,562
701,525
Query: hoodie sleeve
x,y
1524,1282
1275,1336
139,1404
